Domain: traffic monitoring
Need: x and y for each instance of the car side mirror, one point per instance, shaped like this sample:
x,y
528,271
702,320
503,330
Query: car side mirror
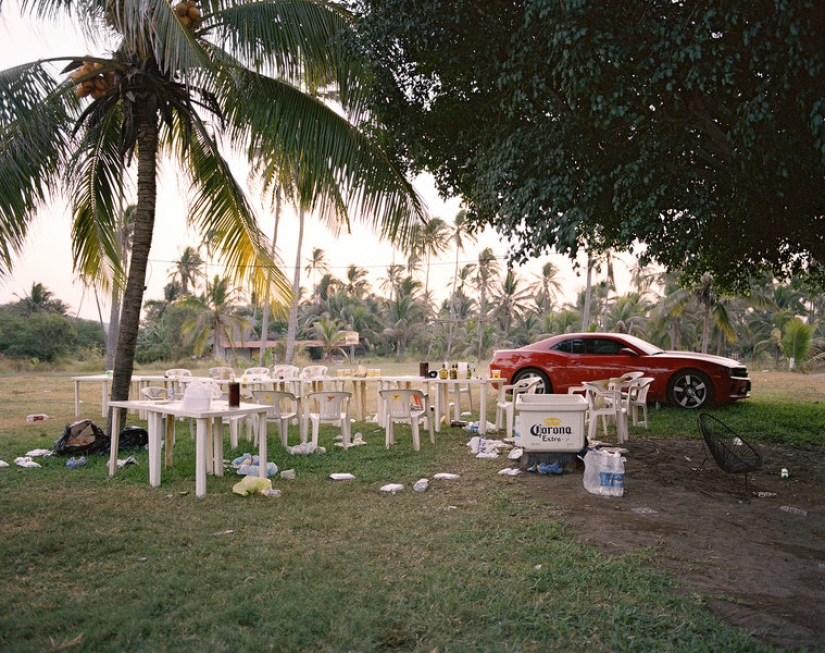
x,y
627,351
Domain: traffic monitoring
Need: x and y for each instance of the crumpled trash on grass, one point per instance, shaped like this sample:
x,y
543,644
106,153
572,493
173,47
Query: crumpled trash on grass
x,y
473,427
26,461
251,485
509,471
342,476
546,468
37,417
39,453
445,476
249,465
255,470
3,463
491,447
357,441
305,448
516,453
74,463
392,488
122,462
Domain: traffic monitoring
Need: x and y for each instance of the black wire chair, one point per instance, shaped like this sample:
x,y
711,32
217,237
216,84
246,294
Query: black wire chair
x,y
727,448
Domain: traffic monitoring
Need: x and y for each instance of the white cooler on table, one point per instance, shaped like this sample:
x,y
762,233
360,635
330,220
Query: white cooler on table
x,y
551,423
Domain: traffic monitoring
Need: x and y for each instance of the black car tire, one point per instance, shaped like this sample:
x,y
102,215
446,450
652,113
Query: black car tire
x,y
690,389
544,386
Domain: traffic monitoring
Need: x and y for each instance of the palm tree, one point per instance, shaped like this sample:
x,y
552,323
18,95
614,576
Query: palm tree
x,y
217,317
329,332
547,286
459,235
317,262
357,281
188,269
432,240
487,268
39,300
245,73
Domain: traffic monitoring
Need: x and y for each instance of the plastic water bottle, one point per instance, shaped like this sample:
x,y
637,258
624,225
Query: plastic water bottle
x,y
606,475
617,480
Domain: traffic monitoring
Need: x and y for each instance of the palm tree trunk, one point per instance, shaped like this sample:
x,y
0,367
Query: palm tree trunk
x,y
588,292
292,329
136,280
265,315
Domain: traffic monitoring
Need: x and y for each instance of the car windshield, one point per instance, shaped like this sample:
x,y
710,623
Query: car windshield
x,y
646,347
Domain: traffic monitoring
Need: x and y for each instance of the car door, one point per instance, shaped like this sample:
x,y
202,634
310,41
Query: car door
x,y
606,358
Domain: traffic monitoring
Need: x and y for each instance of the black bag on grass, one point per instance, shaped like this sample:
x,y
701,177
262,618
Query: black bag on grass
x,y
81,437
132,437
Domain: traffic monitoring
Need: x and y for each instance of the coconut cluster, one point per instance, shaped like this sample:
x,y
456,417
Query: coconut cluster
x,y
94,83
188,13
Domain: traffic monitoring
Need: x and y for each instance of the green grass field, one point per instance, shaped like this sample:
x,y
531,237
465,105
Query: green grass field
x,y
92,563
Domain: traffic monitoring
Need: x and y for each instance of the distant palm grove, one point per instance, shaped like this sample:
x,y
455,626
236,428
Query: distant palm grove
x,y
488,306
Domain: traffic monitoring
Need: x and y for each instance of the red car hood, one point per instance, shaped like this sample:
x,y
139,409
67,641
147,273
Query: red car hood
x,y
708,358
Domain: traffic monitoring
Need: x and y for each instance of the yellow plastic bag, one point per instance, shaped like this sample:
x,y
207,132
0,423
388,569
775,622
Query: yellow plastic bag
x,y
251,485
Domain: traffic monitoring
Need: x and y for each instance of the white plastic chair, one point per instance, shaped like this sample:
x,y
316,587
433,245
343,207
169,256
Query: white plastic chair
x,y
406,406
284,377
505,408
221,373
605,403
631,376
285,407
157,393
175,375
315,373
328,408
256,371
637,399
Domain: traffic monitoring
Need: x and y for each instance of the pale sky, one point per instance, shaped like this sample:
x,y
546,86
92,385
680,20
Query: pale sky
x,y
47,256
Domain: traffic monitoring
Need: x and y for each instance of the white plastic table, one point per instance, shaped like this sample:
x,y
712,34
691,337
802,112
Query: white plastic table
x,y
217,411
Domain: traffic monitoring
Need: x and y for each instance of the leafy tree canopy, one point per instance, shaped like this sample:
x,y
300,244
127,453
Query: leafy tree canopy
x,y
694,128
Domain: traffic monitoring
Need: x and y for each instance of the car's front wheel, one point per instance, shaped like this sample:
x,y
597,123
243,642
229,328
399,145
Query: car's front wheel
x,y
690,389
544,386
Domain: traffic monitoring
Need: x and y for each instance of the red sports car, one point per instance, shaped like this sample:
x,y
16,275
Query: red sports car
x,y
681,378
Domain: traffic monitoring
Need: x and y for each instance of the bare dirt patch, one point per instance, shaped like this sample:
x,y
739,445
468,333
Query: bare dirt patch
x,y
762,568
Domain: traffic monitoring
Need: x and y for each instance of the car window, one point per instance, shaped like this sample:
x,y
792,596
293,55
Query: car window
x,y
571,346
604,346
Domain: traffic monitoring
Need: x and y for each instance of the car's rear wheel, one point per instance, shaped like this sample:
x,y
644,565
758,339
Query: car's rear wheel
x,y
690,389
544,386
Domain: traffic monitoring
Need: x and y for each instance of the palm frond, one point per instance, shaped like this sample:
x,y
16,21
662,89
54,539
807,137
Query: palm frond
x,y
221,209
35,120
295,132
98,172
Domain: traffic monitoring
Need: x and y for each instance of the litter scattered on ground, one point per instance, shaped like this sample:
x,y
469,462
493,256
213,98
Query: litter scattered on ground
x,y
288,473
255,470
486,448
39,453
643,511
764,495
37,417
509,471
516,453
3,463
392,487
445,476
25,461
271,492
305,448
472,427
251,485
794,511
336,476
74,463
546,468
229,532
131,460
421,485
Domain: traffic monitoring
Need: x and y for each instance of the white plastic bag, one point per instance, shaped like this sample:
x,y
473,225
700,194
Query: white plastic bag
x,y
604,473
